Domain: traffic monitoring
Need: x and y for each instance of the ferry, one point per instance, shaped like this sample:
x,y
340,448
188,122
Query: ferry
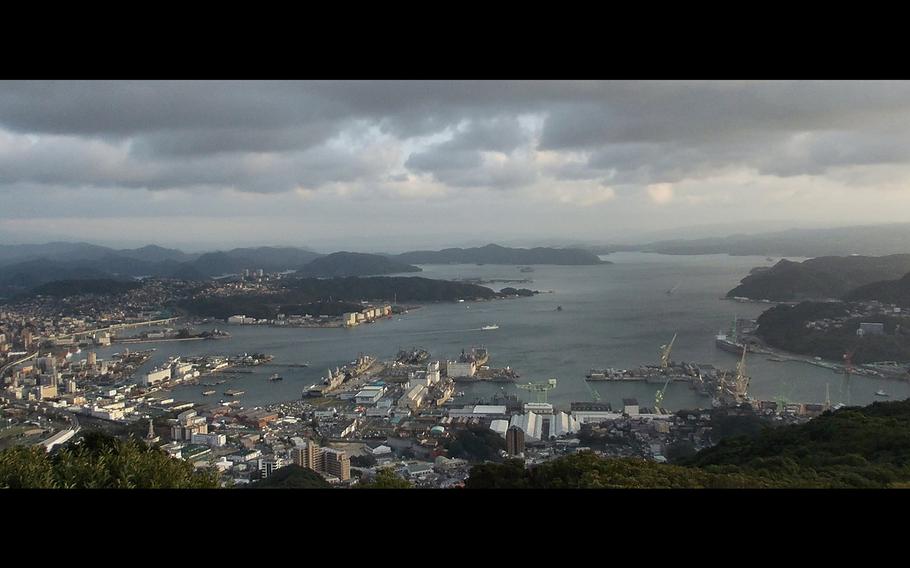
x,y
489,327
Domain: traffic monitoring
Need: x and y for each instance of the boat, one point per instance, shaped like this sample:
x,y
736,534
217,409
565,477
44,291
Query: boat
x,y
276,377
558,308
489,327
881,393
673,289
459,394
526,269
234,392
208,392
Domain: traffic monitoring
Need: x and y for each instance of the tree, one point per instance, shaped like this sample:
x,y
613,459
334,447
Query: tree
x,y
386,478
100,461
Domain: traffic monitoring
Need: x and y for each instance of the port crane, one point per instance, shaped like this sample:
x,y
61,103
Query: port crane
x,y
665,353
539,389
659,397
741,382
848,369
594,394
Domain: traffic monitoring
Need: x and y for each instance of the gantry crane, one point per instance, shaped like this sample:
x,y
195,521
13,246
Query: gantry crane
x,y
665,353
594,394
540,389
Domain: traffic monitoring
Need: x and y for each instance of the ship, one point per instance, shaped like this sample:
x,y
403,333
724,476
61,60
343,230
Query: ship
x,y
276,377
526,269
233,392
208,392
489,327
673,289
558,308
415,356
479,355
881,393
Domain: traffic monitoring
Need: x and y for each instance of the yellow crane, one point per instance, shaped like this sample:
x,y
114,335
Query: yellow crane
x,y
540,389
665,353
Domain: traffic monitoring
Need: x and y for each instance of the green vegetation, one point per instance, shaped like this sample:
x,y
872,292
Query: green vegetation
x,y
101,286
585,470
820,278
476,444
340,264
784,327
292,477
99,461
865,447
321,294
386,479
888,291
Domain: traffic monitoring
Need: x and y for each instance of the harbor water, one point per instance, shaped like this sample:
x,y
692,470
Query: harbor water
x,y
613,315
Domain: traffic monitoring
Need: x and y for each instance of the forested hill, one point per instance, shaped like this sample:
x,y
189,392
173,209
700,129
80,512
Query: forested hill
x,y
495,254
340,264
852,447
333,296
820,278
889,292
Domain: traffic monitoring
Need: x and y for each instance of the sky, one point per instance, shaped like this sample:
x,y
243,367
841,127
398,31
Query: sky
x,y
403,165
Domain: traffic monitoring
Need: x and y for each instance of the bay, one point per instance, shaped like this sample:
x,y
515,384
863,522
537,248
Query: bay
x,y
615,315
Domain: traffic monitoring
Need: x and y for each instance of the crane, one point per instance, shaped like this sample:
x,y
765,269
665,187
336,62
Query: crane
x,y
594,394
665,353
659,397
848,369
741,382
540,389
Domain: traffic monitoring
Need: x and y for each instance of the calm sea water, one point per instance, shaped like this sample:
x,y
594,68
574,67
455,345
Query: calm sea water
x,y
614,315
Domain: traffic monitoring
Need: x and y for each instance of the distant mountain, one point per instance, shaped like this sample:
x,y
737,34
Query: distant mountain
x,y
820,278
270,259
65,288
888,291
495,254
154,253
12,254
341,264
841,241
26,275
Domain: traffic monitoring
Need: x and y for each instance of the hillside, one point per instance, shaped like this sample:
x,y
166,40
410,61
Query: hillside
x,y
292,477
852,447
332,296
65,288
888,291
784,327
341,264
820,278
495,254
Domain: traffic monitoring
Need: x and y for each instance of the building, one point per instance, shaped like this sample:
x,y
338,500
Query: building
x,y
188,424
337,463
155,376
268,465
325,461
515,441
544,427
414,398
369,394
210,440
870,329
458,369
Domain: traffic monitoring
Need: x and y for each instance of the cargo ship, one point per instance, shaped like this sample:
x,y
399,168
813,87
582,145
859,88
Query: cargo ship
x,y
233,392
